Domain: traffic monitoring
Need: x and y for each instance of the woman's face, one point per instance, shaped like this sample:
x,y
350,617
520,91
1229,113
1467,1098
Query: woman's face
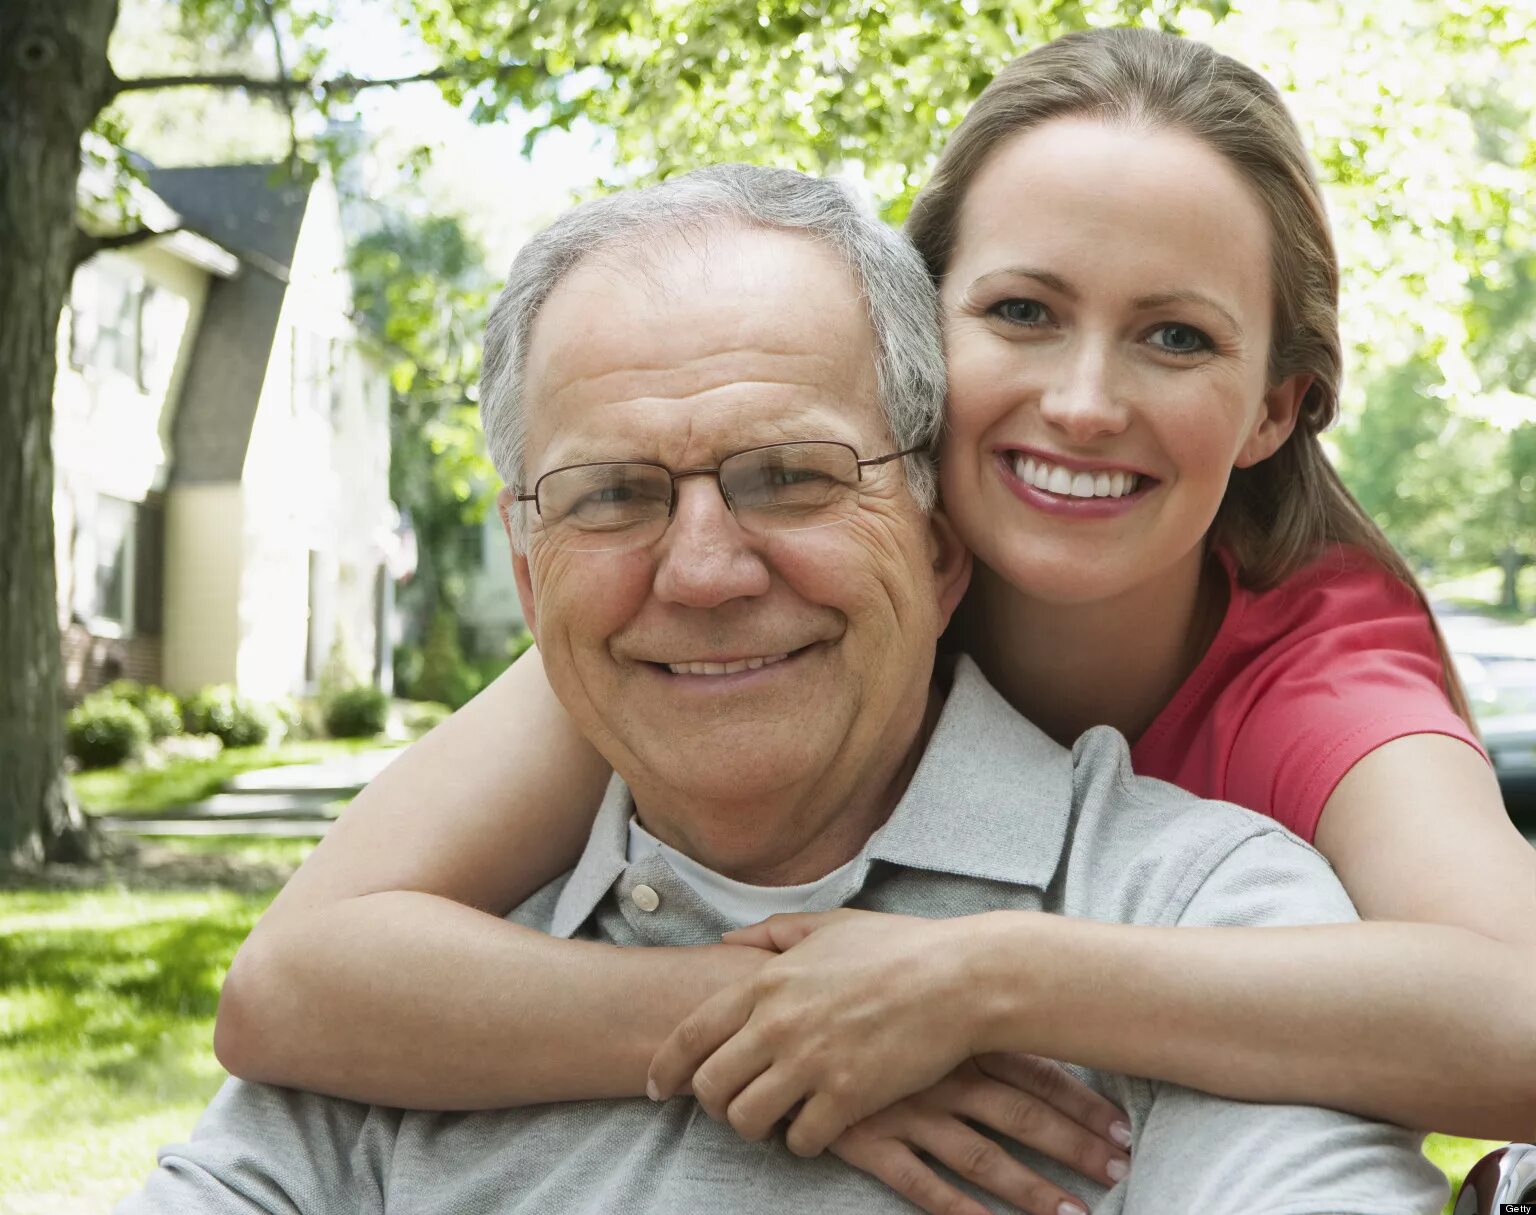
x,y
1107,320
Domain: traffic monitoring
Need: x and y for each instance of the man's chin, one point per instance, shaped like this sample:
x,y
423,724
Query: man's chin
x,y
730,762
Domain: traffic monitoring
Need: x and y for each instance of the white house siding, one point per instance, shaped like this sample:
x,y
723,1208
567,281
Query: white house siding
x,y
112,453
203,550
315,484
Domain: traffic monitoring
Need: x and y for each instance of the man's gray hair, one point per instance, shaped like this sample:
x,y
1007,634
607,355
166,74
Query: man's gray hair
x,y
903,306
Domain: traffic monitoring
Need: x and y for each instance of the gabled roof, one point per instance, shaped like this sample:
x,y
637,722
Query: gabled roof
x,y
255,212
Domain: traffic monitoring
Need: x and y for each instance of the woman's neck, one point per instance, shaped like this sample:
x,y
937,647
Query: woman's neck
x,y
1116,662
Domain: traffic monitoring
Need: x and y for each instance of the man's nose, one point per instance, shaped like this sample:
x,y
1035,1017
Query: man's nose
x,y
705,558
1086,399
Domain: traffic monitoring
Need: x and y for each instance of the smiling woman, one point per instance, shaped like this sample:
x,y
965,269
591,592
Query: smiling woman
x,y
1139,296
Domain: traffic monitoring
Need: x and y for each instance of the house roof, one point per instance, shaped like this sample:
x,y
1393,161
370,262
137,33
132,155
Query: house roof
x,y
256,213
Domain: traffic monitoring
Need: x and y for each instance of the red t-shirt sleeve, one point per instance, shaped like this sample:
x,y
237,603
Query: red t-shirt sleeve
x,y
1369,675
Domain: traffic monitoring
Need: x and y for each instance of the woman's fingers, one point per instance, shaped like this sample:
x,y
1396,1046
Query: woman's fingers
x,y
779,932
1060,1089
819,1122
698,1036
758,1108
727,1074
891,1161
984,1163
1030,1121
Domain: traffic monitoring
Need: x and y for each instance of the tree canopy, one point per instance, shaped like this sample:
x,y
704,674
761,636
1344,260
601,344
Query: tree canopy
x,y
1419,112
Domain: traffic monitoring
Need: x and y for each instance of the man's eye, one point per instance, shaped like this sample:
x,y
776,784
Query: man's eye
x,y
1180,339
1020,312
787,477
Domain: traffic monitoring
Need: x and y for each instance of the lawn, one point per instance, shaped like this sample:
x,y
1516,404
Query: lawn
x,y
147,791
107,1002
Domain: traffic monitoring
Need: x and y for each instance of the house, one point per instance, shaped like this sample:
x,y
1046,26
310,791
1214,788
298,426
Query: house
x,y
221,440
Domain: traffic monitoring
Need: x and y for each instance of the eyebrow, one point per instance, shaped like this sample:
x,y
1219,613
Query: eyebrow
x,y
1144,303
1186,296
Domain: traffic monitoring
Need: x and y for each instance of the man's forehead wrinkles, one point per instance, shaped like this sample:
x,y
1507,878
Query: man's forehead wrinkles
x,y
748,366
695,440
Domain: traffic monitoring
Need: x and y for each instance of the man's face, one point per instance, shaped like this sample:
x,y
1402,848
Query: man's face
x,y
719,344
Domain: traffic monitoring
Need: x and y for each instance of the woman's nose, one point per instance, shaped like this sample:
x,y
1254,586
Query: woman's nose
x,y
1085,403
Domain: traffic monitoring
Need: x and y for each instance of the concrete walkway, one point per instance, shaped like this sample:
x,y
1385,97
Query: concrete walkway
x,y
297,800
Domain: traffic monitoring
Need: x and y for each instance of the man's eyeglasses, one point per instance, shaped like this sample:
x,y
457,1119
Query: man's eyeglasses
x,y
783,487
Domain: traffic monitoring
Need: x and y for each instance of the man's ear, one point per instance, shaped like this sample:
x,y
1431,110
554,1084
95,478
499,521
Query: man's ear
x,y
951,565
1282,406
506,503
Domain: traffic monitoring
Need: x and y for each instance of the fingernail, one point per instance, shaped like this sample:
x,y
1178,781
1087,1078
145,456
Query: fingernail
x,y
1071,1208
1117,1169
651,1090
1120,1132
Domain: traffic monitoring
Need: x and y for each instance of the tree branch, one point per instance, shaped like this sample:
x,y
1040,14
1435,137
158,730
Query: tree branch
x,y
336,85
87,245
287,94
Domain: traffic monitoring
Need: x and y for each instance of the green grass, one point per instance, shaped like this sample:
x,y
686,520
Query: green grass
x,y
149,791
107,1003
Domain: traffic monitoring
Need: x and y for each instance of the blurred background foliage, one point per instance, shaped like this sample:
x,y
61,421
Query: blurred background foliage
x,y
1421,115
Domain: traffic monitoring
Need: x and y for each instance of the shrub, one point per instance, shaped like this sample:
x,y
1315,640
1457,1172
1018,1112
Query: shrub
x,y
237,720
356,712
297,720
445,675
161,709
102,731
419,716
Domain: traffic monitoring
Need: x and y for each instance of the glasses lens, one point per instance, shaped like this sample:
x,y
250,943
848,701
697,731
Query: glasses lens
x,y
792,486
604,506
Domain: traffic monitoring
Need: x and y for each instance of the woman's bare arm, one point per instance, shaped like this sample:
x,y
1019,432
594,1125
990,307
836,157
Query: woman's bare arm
x,y
383,971
1425,1015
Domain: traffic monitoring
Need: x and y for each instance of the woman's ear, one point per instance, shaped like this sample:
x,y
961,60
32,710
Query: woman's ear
x,y
1276,421
951,565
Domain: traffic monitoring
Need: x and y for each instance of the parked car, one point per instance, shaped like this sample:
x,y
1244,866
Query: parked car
x,y
1498,665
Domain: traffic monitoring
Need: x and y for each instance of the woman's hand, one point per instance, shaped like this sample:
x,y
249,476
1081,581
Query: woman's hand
x,y
860,1010
1000,1092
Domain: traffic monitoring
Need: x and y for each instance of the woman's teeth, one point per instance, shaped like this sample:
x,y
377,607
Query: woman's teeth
x,y
1057,480
723,668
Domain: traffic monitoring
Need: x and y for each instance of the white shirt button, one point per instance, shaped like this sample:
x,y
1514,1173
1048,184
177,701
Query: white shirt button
x,y
645,898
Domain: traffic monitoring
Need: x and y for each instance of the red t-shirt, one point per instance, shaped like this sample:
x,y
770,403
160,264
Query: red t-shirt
x,y
1302,682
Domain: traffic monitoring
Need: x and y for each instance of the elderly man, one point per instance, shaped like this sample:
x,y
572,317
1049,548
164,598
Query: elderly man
x,y
716,399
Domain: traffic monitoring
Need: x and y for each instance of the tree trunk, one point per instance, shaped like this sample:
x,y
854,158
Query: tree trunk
x,y
54,78
1511,561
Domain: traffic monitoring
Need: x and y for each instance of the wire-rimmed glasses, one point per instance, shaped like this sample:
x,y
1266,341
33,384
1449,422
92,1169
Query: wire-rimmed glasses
x,y
780,487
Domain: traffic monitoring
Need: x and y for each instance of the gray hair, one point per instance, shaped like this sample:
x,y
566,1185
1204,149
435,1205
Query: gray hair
x,y
903,306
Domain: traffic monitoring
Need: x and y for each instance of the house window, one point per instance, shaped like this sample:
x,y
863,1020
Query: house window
x,y
112,603
107,304
312,373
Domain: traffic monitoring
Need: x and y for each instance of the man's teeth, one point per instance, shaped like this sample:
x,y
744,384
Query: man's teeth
x,y
1057,480
724,668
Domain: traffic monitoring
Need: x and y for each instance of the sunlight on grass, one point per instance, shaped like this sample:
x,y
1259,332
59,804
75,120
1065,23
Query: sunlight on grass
x,y
247,849
130,790
107,1002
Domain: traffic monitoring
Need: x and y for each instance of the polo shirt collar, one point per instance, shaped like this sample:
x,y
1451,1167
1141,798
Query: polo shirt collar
x,y
991,798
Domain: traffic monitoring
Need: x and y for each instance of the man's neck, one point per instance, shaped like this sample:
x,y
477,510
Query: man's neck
x,y
801,832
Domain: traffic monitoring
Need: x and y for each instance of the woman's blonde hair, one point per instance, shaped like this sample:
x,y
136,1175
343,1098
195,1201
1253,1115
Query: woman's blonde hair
x,y
1281,513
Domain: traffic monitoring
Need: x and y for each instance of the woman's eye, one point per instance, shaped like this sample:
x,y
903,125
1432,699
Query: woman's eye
x,y
1180,339
1021,312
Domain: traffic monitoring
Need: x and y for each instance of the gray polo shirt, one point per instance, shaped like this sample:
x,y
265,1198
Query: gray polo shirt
x,y
997,816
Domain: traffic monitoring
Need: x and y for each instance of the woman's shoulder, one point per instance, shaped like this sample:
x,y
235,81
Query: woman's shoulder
x,y
1341,588
1303,678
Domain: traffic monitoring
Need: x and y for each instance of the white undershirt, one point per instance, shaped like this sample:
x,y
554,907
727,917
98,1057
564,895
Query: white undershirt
x,y
736,901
